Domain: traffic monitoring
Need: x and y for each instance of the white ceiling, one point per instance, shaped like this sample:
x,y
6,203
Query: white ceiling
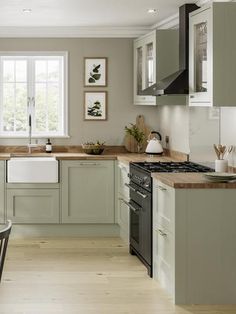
x,y
86,13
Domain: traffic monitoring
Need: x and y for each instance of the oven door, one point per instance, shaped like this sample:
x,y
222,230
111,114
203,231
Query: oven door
x,y
135,232
141,221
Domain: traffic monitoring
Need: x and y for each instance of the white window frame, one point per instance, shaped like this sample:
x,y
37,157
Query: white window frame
x,y
43,54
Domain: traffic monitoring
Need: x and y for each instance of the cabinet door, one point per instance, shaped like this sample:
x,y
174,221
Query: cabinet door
x,y
163,258
87,191
200,59
144,68
33,206
2,194
123,171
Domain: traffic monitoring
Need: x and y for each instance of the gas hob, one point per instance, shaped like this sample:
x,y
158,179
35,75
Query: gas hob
x,y
185,166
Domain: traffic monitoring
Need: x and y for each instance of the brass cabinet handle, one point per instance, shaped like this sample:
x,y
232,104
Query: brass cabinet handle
x,y
89,164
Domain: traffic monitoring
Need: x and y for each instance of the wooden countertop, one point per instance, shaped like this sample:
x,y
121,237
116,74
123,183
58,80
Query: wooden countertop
x,y
190,181
124,157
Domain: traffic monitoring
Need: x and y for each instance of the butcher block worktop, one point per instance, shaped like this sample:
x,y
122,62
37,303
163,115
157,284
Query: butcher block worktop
x,y
190,181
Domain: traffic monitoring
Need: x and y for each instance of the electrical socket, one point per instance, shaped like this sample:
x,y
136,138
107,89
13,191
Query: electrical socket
x,y
167,139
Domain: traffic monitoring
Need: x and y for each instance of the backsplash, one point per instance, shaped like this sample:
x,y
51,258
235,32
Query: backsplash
x,y
194,130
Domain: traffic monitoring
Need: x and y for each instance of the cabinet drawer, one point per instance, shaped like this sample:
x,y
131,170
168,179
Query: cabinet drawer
x,y
164,206
163,258
33,206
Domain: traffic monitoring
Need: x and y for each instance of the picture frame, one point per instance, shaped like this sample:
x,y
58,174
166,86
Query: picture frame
x,y
95,105
95,71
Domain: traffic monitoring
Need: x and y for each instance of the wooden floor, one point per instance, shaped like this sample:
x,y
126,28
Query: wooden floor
x,y
83,276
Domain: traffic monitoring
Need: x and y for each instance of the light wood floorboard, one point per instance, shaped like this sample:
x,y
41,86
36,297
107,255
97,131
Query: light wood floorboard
x,y
83,276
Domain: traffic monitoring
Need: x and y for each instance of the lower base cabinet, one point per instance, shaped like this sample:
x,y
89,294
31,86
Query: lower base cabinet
x,y
33,205
87,190
194,252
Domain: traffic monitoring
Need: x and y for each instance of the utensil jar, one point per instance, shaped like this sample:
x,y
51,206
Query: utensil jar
x,y
221,165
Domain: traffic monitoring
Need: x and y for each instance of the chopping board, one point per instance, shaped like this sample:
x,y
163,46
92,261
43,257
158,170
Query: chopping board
x,y
129,141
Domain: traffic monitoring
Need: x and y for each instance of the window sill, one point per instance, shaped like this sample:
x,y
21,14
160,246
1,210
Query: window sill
x,y
33,137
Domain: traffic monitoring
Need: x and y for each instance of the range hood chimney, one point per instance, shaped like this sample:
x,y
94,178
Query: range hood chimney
x,y
177,83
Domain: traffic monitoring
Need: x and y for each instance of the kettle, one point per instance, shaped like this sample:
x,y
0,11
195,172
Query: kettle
x,y
154,146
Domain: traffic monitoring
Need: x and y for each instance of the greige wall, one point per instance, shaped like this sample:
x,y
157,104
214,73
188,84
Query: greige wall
x,y
121,111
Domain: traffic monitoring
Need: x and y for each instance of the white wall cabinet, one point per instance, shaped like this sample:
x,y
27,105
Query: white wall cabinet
x,y
194,256
87,191
212,64
122,198
155,56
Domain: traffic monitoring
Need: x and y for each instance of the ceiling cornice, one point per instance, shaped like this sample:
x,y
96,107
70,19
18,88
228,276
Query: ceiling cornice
x,y
91,32
73,32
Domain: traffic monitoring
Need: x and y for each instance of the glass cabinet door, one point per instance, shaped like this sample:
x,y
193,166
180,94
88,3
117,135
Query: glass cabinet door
x,y
200,60
149,65
139,70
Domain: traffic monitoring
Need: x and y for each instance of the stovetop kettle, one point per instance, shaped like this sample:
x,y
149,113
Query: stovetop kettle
x,y
154,146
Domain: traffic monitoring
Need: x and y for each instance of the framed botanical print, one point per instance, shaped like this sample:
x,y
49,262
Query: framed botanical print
x,y
95,71
95,106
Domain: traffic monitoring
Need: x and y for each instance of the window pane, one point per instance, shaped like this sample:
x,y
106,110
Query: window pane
x,y
40,71
46,87
40,107
8,70
53,70
53,106
21,107
21,71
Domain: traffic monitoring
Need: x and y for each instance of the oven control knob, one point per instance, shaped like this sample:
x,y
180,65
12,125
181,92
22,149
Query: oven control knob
x,y
145,182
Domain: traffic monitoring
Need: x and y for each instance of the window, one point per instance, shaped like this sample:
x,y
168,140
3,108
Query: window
x,y
33,85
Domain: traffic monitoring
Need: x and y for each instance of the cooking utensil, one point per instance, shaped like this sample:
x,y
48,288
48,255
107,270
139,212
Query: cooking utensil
x,y
217,151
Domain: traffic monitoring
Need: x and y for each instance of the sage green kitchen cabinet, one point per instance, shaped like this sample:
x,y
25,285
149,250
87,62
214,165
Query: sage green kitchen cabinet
x,y
2,191
30,205
87,191
155,57
194,252
122,200
212,64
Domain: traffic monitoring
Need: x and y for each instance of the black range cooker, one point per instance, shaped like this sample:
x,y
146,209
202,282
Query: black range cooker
x,y
141,203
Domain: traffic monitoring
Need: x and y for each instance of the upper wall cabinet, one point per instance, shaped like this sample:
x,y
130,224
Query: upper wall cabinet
x,y
212,50
155,56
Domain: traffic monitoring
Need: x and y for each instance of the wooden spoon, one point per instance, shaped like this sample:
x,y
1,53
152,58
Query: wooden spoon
x,y
217,151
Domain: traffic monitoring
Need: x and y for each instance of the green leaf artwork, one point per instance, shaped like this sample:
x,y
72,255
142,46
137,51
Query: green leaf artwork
x,y
95,110
95,75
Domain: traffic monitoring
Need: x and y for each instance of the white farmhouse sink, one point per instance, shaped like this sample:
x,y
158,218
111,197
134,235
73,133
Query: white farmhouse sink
x,y
32,170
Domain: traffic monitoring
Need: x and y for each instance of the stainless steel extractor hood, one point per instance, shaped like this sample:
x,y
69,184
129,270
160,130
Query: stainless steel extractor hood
x,y
177,83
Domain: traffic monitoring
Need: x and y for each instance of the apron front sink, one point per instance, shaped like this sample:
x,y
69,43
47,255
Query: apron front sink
x,y
32,170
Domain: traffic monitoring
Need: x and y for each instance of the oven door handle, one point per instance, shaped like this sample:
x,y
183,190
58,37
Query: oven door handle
x,y
141,194
130,187
136,210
